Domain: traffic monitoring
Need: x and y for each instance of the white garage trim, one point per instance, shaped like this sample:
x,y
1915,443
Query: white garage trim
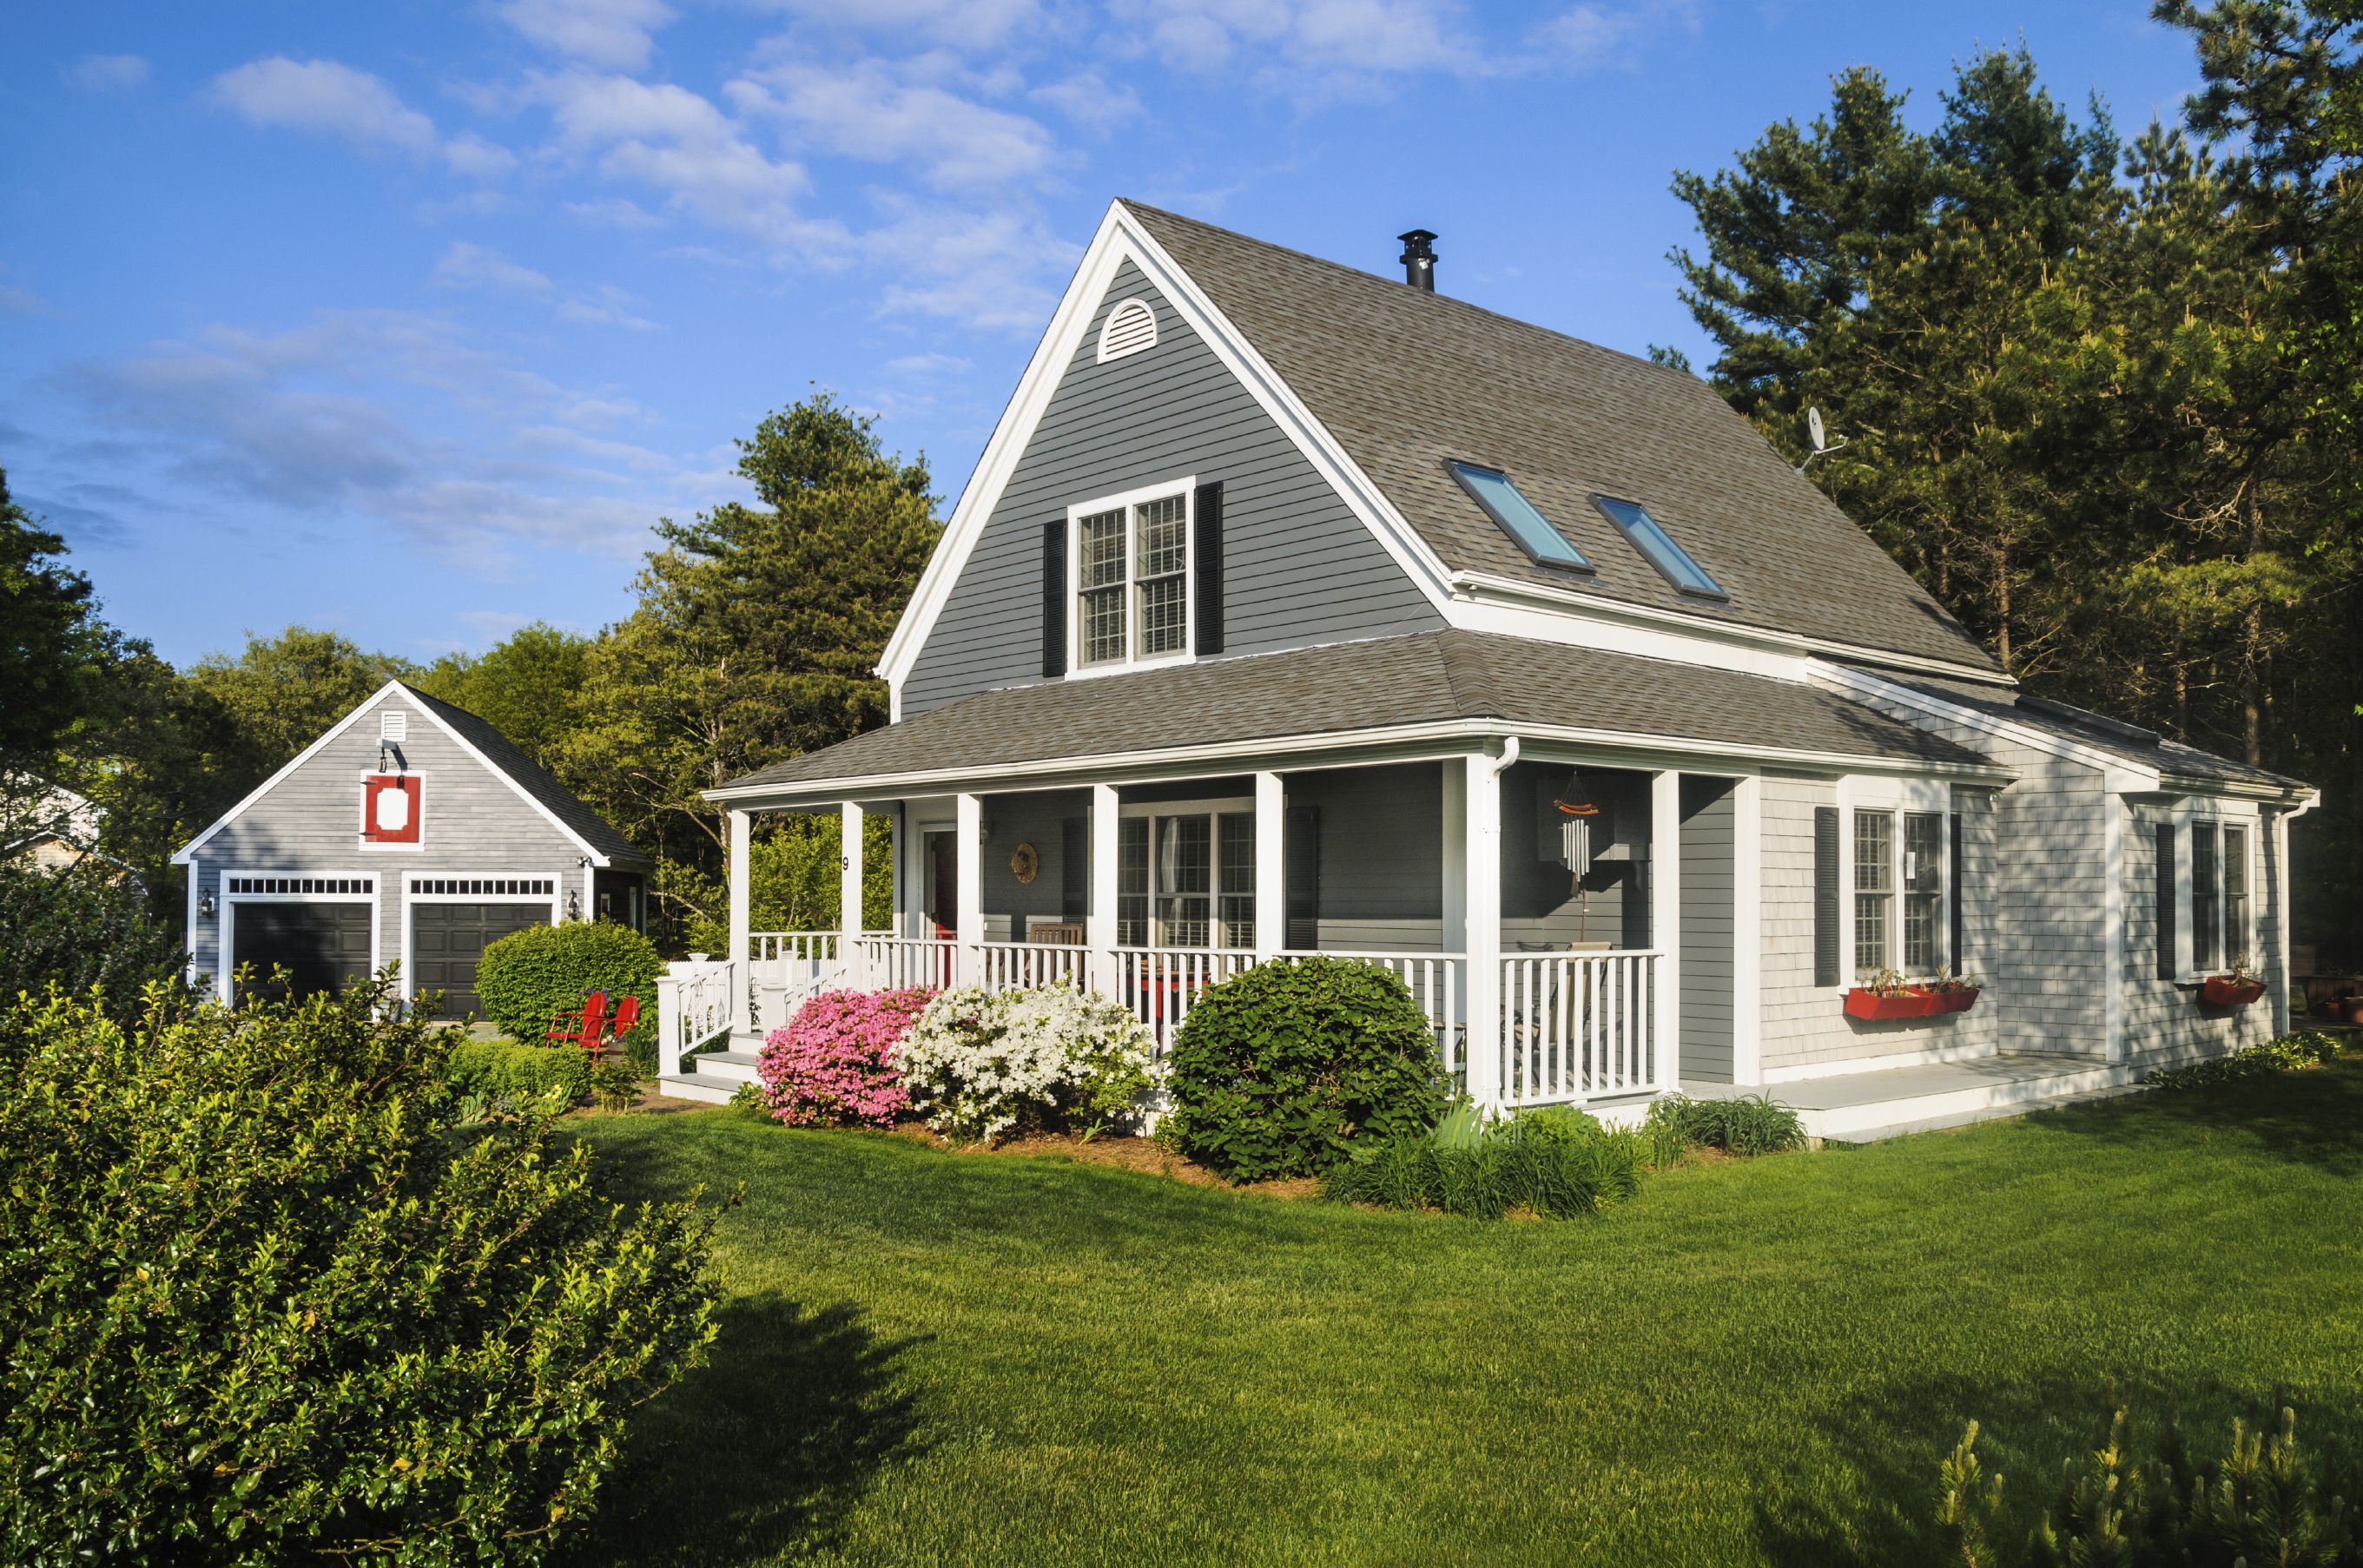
x,y
411,895
295,888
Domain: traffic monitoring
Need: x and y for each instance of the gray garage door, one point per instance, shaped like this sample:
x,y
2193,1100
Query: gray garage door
x,y
323,947
445,940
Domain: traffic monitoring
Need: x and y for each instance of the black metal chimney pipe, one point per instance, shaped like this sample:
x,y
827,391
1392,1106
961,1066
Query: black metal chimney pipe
x,y
1419,260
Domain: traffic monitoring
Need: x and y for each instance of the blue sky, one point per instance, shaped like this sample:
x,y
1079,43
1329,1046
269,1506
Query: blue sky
x,y
408,319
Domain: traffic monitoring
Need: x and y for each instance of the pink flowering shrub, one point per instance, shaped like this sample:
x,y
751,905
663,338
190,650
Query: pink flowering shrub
x,y
834,1064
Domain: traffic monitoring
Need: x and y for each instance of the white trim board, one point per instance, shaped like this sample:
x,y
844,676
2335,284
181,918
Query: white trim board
x,y
226,911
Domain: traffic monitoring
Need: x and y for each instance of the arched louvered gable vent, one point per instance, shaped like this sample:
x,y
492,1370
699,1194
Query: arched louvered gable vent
x,y
1129,328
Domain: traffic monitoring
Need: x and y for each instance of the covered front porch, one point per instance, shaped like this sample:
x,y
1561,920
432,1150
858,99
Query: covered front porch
x,y
1594,968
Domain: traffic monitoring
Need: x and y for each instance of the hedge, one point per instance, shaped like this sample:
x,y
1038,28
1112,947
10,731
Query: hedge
x,y
519,1069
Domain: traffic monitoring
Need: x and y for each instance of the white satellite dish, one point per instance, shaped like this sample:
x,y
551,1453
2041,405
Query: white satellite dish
x,y
1822,447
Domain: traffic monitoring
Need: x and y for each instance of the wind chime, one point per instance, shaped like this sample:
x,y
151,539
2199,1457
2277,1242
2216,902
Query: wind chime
x,y
1576,813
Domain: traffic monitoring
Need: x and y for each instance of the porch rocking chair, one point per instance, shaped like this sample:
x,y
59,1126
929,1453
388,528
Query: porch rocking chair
x,y
585,1028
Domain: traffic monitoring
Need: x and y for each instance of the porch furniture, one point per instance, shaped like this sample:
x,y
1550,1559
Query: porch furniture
x,y
584,1028
1070,934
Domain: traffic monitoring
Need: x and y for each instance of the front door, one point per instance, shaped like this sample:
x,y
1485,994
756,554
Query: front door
x,y
943,884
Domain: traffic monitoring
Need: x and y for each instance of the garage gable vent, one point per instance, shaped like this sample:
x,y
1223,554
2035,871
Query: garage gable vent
x,y
393,726
1129,328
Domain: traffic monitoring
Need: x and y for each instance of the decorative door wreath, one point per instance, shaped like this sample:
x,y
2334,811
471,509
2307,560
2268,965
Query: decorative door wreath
x,y
1025,865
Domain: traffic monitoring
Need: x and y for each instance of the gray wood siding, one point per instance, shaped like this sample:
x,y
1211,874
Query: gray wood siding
x,y
309,825
1299,567
1542,908
2165,1023
1382,855
1707,929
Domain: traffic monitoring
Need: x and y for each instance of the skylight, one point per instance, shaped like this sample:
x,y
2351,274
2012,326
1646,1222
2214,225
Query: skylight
x,y
1517,517
1654,541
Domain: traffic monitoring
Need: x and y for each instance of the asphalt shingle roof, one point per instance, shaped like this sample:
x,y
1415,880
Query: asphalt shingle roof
x,y
1424,678
1406,380
2097,731
533,779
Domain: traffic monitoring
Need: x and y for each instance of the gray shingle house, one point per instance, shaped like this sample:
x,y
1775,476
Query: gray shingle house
x,y
412,831
1293,608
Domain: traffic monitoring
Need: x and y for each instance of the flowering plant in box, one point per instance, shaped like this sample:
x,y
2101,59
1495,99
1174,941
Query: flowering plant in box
x,y
977,1064
833,1066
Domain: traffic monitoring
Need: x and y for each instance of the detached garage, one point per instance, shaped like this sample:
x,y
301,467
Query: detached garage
x,y
413,833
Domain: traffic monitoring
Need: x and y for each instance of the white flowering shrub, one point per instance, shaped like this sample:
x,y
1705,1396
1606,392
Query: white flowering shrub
x,y
977,1064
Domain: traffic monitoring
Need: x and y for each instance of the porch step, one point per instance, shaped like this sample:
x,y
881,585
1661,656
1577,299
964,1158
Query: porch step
x,y
1862,1108
712,1091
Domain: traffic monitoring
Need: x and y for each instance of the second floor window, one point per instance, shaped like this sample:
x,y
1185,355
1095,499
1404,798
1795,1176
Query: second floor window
x,y
1132,580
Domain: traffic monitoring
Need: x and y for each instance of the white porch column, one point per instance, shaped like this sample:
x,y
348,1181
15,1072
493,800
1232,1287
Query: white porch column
x,y
1100,925
1747,931
848,878
1270,867
1481,899
742,843
969,923
1666,920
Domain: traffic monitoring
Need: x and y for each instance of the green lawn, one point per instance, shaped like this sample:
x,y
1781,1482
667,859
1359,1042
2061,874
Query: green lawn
x,y
931,1358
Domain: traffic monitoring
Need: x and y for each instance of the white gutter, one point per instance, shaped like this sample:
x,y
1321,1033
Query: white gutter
x,y
1509,757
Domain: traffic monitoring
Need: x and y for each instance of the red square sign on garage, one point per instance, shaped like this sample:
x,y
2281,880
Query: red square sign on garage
x,y
391,806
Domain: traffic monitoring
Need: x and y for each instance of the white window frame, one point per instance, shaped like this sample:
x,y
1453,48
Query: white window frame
x,y
1077,670
2219,814
1899,798
1214,810
230,902
557,879
360,839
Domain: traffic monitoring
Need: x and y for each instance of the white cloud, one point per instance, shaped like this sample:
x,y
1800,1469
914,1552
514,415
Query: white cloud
x,y
24,301
614,213
1090,102
930,364
892,114
394,416
615,34
669,138
997,269
328,99
108,74
608,306
1308,48
470,266
1589,35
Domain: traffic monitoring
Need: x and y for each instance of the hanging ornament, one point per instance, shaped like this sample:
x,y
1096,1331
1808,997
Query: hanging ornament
x,y
1575,800
1575,845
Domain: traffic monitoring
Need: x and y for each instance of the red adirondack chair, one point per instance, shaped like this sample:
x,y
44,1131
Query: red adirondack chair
x,y
585,1029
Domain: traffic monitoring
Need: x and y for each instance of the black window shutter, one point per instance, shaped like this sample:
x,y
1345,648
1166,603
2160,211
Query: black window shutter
x,y
1303,874
1074,869
1827,912
1207,547
1054,597
2166,930
1961,957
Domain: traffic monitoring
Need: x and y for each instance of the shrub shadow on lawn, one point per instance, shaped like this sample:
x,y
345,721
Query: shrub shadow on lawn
x,y
2312,1117
763,1449
2027,1428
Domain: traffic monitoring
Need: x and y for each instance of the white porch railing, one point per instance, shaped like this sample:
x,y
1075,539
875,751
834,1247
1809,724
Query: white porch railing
x,y
1577,1026
693,1008
1573,1026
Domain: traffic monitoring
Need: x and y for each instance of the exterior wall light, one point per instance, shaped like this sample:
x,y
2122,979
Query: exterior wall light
x,y
205,904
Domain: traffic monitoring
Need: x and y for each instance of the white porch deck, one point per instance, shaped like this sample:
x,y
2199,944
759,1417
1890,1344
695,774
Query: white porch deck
x,y
1861,1108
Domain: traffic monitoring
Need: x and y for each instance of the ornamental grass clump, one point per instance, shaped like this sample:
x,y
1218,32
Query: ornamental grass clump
x,y
1555,1163
1748,1125
1282,1070
262,1302
980,1066
834,1063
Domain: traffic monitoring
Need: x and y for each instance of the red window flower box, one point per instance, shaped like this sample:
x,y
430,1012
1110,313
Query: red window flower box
x,y
2225,991
1911,1004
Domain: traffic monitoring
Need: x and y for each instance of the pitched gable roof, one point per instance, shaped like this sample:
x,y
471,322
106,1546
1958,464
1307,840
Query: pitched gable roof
x,y
1404,381
530,777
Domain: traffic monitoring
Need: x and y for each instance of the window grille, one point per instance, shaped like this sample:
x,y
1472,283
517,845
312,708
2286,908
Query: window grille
x,y
2206,899
1924,892
1184,881
1132,882
2236,892
303,885
1237,872
1103,575
1874,887
483,886
1160,562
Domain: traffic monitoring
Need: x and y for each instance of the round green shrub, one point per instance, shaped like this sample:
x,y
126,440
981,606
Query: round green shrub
x,y
1281,1069
529,977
